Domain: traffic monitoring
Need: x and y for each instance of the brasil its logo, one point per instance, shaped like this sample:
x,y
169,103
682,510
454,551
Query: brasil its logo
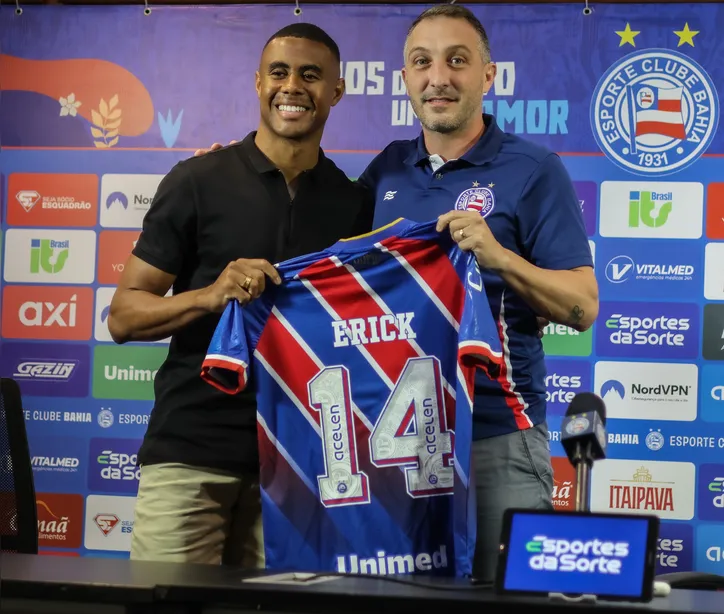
x,y
654,112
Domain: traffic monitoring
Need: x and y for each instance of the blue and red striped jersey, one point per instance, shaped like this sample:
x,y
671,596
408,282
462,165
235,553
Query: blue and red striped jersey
x,y
363,362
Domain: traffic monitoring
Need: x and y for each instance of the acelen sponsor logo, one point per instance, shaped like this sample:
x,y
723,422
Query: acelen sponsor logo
x,y
47,369
648,330
52,200
60,520
114,247
47,312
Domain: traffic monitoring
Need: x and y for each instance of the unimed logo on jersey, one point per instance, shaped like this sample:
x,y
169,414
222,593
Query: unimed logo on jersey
x,y
126,372
109,523
564,484
644,487
675,548
60,520
113,465
40,199
565,379
560,340
114,247
47,369
648,330
710,490
651,210
125,199
47,312
648,390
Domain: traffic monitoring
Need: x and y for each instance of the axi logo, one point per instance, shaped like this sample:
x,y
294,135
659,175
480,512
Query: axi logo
x,y
48,255
711,492
47,312
651,209
648,330
114,467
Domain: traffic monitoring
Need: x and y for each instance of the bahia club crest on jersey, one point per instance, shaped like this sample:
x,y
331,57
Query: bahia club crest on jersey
x,y
363,364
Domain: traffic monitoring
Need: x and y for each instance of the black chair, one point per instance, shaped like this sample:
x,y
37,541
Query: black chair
x,y
18,512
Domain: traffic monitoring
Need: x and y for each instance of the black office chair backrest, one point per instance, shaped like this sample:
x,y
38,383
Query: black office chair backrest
x,y
18,512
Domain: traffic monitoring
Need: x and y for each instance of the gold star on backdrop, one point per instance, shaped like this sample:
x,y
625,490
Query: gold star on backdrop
x,y
627,36
491,185
475,184
686,35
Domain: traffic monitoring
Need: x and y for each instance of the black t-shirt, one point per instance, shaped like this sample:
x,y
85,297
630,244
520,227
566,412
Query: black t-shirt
x,y
207,212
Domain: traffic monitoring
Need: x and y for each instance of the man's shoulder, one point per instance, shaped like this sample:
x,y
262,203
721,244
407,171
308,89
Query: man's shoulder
x,y
396,152
524,149
222,160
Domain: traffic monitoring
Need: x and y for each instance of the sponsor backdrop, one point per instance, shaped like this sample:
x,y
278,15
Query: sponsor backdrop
x,y
627,95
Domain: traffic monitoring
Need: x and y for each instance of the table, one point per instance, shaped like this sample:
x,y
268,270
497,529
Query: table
x,y
66,584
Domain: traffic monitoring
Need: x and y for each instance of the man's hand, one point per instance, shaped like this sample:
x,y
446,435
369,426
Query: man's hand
x,y
214,147
471,232
243,280
542,323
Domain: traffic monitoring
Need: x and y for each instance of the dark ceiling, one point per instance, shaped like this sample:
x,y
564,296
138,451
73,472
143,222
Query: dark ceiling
x,y
302,2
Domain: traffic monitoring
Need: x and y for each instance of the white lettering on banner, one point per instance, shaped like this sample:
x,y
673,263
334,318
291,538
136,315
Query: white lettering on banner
x,y
44,313
384,564
363,77
563,387
133,418
593,556
683,441
664,549
54,462
37,415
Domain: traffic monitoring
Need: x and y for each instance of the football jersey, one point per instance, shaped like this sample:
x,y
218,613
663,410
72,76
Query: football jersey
x,y
363,363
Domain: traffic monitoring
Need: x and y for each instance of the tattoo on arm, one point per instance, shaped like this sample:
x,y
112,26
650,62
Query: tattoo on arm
x,y
576,314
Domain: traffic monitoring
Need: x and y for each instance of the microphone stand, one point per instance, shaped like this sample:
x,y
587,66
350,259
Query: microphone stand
x,y
582,461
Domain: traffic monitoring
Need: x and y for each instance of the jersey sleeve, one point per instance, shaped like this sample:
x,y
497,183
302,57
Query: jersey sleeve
x,y
552,230
169,226
478,338
226,365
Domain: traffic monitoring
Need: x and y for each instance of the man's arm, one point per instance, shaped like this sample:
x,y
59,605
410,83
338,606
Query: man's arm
x,y
555,276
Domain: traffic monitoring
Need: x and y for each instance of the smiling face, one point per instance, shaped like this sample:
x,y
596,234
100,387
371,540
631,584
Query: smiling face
x,y
297,84
446,74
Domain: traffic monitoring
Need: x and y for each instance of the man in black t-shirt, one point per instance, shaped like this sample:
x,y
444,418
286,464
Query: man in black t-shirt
x,y
216,224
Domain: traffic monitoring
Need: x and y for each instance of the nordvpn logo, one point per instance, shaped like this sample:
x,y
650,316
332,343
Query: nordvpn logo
x,y
615,389
117,199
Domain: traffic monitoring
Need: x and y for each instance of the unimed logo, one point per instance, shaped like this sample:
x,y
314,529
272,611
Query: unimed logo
x,y
126,372
648,330
47,312
560,340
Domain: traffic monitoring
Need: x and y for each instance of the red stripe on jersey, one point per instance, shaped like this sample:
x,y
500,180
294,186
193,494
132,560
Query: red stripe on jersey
x,y
435,268
349,300
511,399
210,364
290,360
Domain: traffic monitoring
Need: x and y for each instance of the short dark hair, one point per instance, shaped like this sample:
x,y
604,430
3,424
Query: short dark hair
x,y
455,11
307,31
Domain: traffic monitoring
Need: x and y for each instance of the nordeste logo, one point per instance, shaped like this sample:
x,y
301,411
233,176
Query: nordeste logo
x,y
590,556
654,112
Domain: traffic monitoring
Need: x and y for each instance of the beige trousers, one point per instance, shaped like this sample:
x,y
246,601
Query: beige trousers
x,y
190,514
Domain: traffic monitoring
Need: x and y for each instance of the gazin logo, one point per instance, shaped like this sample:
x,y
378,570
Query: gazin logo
x,y
654,112
591,556
48,255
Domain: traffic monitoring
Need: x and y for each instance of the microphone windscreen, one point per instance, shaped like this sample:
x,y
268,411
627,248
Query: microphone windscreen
x,y
587,401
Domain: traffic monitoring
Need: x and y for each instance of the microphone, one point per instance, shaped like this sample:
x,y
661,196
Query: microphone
x,y
583,436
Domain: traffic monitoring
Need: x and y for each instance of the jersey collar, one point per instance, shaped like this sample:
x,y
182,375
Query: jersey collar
x,y
483,151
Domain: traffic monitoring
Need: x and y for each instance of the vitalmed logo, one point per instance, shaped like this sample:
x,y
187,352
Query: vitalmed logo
x,y
661,270
558,554
125,199
648,330
644,487
114,248
675,548
113,465
565,378
712,393
50,256
711,492
47,312
52,200
60,520
47,369
109,523
587,192
714,272
652,210
647,390
59,463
